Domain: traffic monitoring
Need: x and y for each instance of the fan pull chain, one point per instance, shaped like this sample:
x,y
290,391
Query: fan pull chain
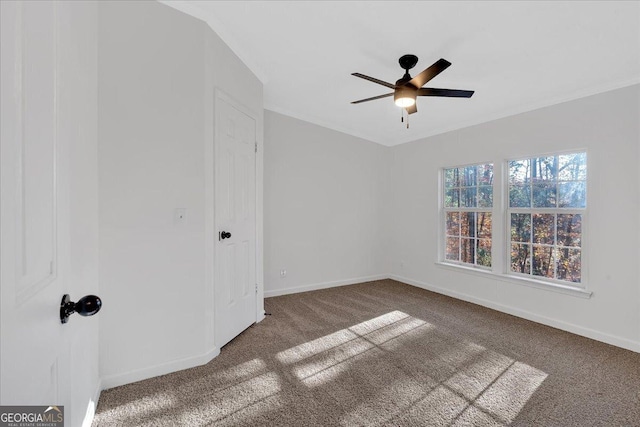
x,y
402,117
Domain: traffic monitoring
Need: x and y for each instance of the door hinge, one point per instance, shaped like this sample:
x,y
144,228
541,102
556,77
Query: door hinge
x,y
256,146
256,288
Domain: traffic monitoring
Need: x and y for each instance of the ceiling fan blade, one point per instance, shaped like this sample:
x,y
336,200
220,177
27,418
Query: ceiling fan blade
x,y
372,79
451,93
439,66
412,109
372,98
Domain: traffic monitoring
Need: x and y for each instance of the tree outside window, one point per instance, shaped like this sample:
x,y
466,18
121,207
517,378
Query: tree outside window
x,y
547,203
468,199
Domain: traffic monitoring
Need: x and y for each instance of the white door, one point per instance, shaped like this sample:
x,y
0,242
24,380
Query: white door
x,y
235,221
35,351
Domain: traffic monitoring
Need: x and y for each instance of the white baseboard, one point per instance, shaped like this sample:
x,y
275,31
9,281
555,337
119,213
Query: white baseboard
x,y
559,324
325,285
162,369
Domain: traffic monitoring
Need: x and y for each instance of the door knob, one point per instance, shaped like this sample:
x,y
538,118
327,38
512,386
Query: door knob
x,y
86,306
225,235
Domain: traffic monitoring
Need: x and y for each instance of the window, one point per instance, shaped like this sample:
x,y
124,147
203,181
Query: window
x,y
468,201
547,201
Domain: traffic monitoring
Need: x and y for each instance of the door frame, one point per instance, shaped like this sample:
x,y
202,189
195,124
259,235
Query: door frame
x,y
210,232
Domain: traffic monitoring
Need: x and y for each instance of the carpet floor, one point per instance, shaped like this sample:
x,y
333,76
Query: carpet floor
x,y
386,353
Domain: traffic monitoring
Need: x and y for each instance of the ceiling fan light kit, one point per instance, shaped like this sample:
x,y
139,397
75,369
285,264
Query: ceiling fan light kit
x,y
404,97
407,89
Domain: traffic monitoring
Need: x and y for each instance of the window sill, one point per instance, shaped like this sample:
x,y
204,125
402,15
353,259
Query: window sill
x,y
523,281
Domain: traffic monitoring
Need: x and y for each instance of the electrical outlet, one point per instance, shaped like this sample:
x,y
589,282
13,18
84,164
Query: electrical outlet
x,y
283,273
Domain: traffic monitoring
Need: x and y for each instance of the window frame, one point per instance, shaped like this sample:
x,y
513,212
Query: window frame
x,y
508,210
443,218
501,230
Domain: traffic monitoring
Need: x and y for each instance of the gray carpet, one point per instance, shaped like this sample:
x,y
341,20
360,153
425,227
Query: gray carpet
x,y
385,353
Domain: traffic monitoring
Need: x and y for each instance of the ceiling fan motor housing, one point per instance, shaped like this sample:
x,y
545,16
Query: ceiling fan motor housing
x,y
407,62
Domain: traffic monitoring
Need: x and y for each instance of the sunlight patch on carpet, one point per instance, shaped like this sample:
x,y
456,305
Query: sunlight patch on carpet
x,y
143,406
321,360
378,322
481,385
472,380
242,397
395,330
243,371
317,346
506,397
329,358
327,342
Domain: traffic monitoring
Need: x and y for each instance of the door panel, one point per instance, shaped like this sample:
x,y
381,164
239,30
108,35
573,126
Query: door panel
x,y
229,268
34,362
245,274
235,212
35,144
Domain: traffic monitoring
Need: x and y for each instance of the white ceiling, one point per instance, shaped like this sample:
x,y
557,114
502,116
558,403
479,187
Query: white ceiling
x,y
517,56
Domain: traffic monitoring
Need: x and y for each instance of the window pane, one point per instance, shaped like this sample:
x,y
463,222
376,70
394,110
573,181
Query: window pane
x,y
543,228
520,196
484,225
544,195
543,261
569,265
485,197
485,174
572,194
519,171
451,178
467,224
453,223
544,169
468,197
520,262
468,250
452,198
483,252
569,230
520,227
465,188
541,191
469,178
572,167
453,249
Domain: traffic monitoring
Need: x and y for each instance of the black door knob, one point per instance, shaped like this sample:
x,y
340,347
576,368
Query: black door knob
x,y
225,235
86,306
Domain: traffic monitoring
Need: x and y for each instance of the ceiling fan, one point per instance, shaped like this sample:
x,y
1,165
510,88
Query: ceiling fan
x,y
407,88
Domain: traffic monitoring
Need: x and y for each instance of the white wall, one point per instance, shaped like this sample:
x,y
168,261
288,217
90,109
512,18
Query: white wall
x,y
151,133
158,70
607,126
325,207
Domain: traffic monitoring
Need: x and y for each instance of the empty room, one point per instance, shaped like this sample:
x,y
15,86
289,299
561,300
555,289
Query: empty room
x,y
319,213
